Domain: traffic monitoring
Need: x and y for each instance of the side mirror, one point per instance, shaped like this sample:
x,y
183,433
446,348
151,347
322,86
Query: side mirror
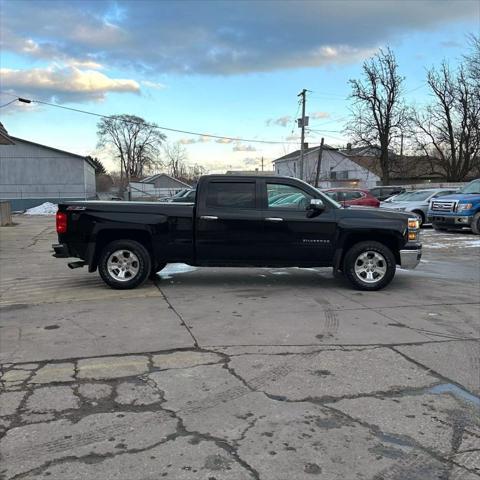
x,y
317,204
315,207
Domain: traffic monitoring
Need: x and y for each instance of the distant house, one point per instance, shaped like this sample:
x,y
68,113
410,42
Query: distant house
x,y
31,173
336,170
404,169
155,186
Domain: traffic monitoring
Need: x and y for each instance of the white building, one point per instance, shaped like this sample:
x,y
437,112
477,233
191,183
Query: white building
x,y
158,185
336,169
31,174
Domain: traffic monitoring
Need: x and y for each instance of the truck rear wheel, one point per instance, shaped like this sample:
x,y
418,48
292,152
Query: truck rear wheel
x,y
475,225
369,266
124,264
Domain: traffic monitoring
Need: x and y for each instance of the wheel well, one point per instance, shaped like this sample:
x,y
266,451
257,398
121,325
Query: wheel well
x,y
420,214
388,240
104,237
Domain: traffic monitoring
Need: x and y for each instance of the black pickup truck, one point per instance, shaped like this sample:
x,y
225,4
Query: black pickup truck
x,y
238,221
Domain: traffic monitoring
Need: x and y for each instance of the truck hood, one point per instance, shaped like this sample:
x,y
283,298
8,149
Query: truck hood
x,y
374,213
464,197
467,197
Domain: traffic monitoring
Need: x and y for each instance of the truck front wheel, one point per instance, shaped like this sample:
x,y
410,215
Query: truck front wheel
x,y
369,266
475,225
124,264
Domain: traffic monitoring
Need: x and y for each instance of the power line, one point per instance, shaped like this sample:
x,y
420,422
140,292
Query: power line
x,y
321,131
9,103
187,132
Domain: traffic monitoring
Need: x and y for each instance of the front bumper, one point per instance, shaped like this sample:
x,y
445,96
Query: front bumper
x,y
409,259
451,220
61,250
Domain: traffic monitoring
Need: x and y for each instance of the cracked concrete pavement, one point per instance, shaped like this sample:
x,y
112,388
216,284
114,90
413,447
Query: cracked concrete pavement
x,y
237,373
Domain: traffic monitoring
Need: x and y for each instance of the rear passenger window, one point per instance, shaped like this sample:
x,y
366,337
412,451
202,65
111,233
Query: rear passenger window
x,y
352,195
231,195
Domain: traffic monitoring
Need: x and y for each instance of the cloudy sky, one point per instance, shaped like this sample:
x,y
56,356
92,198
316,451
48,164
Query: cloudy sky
x,y
231,68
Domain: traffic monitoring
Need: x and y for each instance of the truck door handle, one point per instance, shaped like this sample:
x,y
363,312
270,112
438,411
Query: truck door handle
x,y
274,219
208,217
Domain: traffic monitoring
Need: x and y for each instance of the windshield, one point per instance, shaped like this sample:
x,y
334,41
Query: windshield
x,y
399,197
414,196
472,187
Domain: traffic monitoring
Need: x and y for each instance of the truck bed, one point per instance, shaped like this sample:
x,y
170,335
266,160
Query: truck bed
x,y
169,227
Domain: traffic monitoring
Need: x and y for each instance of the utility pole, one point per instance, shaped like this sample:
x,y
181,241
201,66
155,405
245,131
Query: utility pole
x,y
302,94
262,163
401,146
319,163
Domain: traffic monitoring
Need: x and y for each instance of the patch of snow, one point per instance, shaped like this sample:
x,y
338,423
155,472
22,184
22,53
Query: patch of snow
x,y
279,273
436,245
46,208
471,243
174,269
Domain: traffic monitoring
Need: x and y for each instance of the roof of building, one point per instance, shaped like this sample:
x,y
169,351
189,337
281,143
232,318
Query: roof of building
x,y
401,167
85,158
152,178
296,153
5,138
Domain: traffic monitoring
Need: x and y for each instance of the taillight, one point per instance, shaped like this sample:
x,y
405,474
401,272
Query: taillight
x,y
61,218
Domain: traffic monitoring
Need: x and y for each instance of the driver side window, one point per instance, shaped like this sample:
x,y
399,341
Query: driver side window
x,y
282,196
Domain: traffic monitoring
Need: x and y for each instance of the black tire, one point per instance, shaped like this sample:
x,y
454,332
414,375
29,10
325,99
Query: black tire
x,y
421,216
475,225
141,264
156,268
437,228
352,260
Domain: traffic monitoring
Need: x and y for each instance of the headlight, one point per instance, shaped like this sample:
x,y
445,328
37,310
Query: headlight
x,y
413,224
464,206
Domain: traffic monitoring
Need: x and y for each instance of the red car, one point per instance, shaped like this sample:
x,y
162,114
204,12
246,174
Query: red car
x,y
352,196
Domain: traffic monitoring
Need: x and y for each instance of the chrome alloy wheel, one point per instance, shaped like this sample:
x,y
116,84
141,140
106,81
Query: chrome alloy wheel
x,y
123,265
370,266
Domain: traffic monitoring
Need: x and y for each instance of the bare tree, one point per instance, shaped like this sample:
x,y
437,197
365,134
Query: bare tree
x,y
448,130
194,172
379,113
136,143
472,58
175,158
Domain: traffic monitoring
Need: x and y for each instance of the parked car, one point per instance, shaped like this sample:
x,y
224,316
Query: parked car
x,y
352,196
179,194
236,222
459,210
383,192
416,201
188,197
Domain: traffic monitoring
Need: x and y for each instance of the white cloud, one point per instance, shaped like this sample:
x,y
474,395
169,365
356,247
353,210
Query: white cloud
x,y
240,147
250,161
319,115
293,138
192,140
221,37
154,85
64,84
281,121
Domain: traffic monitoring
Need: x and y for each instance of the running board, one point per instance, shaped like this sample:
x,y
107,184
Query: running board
x,y
78,264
